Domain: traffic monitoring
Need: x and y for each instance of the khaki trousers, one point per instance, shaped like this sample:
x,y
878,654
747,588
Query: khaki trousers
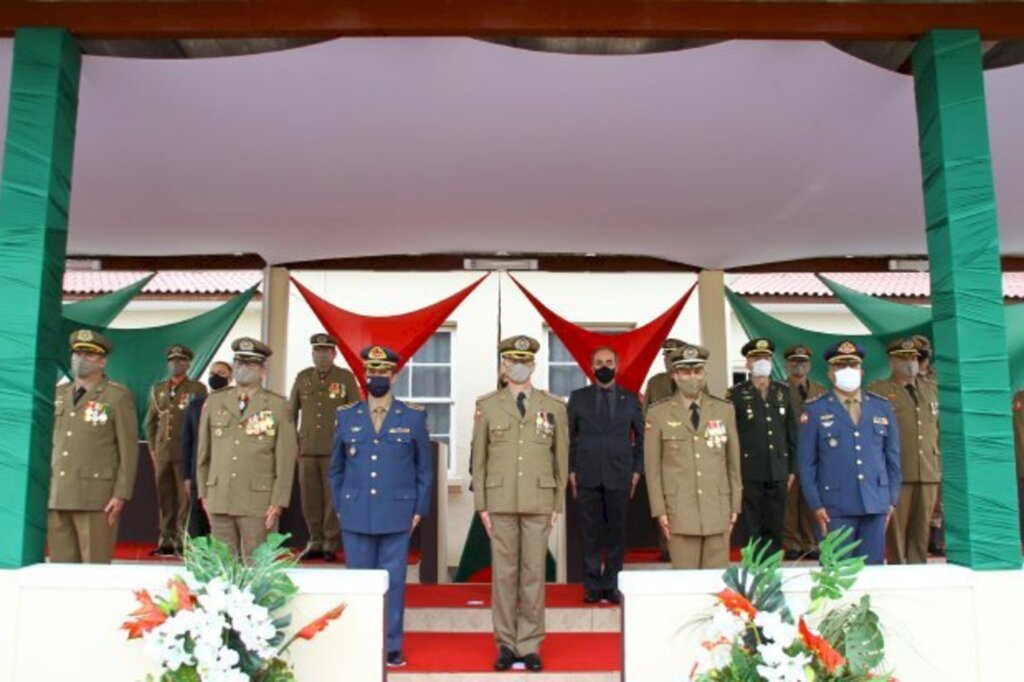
x,y
519,546
907,537
242,534
798,523
79,537
317,506
173,502
699,551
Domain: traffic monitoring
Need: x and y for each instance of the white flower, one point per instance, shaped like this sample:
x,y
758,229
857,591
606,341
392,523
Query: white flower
x,y
775,629
724,625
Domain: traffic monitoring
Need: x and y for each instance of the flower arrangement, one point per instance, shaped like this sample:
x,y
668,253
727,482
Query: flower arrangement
x,y
217,620
752,634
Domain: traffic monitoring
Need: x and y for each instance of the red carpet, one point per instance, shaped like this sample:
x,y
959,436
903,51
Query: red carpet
x,y
474,595
126,551
461,652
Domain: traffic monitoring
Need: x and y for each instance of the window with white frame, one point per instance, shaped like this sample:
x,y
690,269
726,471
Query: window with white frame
x,y
427,380
564,375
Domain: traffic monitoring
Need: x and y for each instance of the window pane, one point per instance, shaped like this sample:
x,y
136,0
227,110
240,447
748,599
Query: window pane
x,y
439,419
432,382
559,353
438,348
564,379
401,383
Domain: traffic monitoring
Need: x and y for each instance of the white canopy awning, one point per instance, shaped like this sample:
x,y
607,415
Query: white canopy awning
x,y
733,154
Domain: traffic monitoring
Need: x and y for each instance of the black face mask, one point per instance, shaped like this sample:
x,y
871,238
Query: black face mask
x,y
216,382
605,374
378,386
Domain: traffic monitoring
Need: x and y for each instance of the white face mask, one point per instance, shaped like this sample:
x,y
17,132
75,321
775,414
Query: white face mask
x,y
910,368
761,368
519,373
848,379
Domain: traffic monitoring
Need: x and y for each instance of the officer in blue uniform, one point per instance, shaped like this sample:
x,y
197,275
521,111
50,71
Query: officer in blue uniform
x,y
850,455
381,479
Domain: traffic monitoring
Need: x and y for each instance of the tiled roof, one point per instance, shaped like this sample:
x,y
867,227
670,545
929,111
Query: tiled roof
x,y
890,284
93,282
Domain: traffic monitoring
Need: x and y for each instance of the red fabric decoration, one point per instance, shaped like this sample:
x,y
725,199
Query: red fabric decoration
x,y
405,334
637,349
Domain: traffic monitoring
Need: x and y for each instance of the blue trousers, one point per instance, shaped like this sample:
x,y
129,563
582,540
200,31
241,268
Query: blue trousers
x,y
870,530
391,553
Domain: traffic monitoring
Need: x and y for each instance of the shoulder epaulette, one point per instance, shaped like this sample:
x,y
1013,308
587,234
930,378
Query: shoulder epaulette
x,y
715,397
348,406
815,399
416,406
276,394
552,396
876,395
485,396
659,401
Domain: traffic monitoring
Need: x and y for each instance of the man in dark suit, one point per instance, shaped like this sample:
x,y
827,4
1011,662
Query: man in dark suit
x,y
220,377
606,460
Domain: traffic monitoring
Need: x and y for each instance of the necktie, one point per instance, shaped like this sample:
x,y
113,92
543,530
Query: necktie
x,y
803,392
913,392
521,404
694,414
243,402
79,392
853,407
378,418
604,411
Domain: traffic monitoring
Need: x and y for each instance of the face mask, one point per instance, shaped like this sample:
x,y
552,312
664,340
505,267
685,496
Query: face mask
x,y
83,368
378,386
605,374
910,368
247,375
217,382
322,362
690,386
519,373
800,369
848,379
176,369
761,368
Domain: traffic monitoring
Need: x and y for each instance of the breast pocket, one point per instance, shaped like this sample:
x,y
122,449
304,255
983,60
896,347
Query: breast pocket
x,y
220,425
498,432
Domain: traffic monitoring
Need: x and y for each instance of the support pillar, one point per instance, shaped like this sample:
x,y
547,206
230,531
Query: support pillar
x,y
275,326
35,196
711,305
979,483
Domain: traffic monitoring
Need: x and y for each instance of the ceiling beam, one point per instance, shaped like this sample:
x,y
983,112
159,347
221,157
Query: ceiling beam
x,y
695,19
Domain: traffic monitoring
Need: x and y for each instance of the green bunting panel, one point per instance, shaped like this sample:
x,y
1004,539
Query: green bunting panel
x,y
100,311
979,490
35,197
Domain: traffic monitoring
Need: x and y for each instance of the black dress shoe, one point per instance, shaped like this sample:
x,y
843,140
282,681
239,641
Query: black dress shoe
x,y
330,557
312,554
533,663
812,555
613,596
395,659
505,659
792,554
163,550
591,597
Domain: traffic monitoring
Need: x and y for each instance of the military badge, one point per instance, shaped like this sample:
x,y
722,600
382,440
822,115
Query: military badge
x,y
827,420
715,434
762,344
378,353
847,348
96,413
335,391
804,418
544,424
352,450
833,442
673,423
1018,405
85,335
935,408
260,424
184,399
647,425
246,345
399,429
690,352
357,429
881,421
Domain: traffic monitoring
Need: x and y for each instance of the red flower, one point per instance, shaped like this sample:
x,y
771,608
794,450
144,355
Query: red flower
x,y
147,616
736,603
310,631
181,596
828,656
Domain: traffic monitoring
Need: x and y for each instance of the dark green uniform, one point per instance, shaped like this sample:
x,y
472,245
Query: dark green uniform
x,y
768,441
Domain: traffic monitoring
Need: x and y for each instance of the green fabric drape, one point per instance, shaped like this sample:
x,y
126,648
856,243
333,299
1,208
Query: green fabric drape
x,y
888,317
757,323
101,310
35,197
979,491
138,360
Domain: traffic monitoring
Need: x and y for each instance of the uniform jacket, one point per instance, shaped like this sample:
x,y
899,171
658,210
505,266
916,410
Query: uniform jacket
x,y
95,447
520,464
167,405
767,430
318,401
920,459
245,462
1018,431
850,470
605,454
379,480
693,475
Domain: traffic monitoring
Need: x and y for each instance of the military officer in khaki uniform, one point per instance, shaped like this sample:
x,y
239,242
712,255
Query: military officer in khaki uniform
x,y
168,401
692,460
661,385
246,453
317,394
95,456
798,526
520,470
915,402
1018,443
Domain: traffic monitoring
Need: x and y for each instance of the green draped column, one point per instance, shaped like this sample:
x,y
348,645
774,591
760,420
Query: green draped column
x,y
979,481
34,200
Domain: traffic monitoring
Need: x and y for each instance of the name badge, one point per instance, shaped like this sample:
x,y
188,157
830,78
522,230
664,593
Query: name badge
x,y
881,421
398,429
